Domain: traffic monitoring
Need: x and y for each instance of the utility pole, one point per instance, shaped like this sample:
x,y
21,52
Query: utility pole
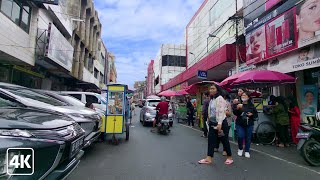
x,y
237,47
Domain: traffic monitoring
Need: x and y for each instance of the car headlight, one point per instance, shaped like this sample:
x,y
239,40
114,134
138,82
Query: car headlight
x,y
3,164
15,133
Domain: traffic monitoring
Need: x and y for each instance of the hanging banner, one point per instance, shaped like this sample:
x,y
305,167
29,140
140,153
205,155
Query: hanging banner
x,y
256,46
309,101
281,34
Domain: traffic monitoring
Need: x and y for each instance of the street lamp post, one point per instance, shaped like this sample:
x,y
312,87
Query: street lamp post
x,y
211,35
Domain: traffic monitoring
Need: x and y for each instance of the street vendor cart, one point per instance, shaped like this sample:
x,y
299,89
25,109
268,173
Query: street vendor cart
x,y
118,111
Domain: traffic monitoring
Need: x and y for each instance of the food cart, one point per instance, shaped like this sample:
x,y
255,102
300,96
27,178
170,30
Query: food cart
x,y
118,111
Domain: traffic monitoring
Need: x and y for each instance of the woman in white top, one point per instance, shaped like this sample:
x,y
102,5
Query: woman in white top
x,y
218,125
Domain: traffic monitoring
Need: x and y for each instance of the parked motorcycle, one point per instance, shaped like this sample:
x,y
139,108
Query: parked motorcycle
x,y
309,141
163,125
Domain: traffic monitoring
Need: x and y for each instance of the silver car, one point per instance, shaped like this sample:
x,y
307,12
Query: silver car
x,y
148,111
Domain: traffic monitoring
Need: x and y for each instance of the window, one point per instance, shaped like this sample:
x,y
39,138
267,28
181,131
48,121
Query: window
x,y
115,103
77,96
101,77
8,102
92,99
96,72
179,61
18,12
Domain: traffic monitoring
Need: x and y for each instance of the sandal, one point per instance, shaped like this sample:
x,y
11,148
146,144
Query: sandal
x,y
204,161
228,161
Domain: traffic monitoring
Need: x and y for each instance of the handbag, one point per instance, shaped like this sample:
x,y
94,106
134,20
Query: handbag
x,y
213,121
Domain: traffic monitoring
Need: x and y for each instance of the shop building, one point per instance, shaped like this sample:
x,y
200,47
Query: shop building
x,y
169,62
18,29
211,42
284,36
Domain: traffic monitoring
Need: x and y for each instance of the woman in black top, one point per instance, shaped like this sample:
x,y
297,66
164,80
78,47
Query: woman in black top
x,y
190,111
246,114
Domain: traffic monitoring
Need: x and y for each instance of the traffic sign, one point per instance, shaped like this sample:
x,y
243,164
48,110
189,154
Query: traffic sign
x,y
202,74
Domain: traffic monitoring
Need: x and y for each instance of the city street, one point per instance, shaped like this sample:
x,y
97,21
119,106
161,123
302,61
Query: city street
x,y
152,156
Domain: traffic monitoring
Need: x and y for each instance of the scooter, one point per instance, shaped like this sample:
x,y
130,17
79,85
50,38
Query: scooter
x,y
163,125
309,141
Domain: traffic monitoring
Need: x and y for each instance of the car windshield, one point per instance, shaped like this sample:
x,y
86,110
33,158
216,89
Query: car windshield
x,y
103,100
71,100
153,103
28,93
6,102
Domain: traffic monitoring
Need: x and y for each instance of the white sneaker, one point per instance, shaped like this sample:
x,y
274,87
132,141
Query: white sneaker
x,y
247,154
240,152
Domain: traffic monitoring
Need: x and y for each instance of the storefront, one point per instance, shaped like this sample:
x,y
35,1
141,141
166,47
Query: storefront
x,y
21,76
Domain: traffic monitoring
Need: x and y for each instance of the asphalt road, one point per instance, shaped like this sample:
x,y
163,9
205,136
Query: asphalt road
x,y
152,156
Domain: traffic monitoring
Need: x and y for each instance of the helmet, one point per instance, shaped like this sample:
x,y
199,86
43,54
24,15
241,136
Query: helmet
x,y
163,98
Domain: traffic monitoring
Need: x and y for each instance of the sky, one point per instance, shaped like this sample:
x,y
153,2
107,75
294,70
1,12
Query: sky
x,y
135,29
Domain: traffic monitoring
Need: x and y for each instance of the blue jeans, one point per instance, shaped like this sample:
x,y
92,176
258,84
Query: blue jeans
x,y
244,133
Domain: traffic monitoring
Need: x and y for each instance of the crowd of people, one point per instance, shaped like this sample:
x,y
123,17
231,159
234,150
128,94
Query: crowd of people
x,y
219,111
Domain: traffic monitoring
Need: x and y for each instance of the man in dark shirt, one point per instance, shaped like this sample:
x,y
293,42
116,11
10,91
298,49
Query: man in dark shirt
x,y
163,109
205,107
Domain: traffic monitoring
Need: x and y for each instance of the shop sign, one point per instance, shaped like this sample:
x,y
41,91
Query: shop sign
x,y
305,58
202,74
58,48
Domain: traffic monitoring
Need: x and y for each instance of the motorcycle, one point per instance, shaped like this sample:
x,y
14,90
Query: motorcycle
x,y
309,141
163,125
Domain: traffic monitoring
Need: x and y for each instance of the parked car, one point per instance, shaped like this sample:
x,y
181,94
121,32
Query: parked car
x,y
69,100
148,111
55,138
88,119
96,99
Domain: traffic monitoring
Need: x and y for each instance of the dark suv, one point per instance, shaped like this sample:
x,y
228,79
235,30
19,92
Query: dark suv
x,y
55,138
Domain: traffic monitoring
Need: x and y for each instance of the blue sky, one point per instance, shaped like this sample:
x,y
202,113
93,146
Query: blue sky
x,y
134,30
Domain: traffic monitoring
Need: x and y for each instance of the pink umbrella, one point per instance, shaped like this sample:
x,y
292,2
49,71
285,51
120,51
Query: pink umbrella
x,y
229,80
181,92
168,93
263,77
193,88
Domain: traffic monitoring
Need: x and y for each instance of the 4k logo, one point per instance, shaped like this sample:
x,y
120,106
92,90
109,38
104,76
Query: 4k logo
x,y
20,161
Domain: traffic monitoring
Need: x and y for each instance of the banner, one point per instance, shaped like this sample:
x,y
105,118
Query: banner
x,y
281,34
309,101
256,46
308,22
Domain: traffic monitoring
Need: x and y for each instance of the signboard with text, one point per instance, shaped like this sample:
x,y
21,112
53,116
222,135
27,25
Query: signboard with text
x,y
202,74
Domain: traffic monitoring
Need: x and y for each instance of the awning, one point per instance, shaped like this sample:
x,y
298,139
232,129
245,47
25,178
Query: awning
x,y
217,64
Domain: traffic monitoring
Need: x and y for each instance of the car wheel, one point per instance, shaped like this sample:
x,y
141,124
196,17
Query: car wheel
x,y
171,124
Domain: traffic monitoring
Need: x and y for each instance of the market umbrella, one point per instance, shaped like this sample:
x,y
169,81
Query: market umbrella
x,y
229,80
168,93
263,78
181,92
193,88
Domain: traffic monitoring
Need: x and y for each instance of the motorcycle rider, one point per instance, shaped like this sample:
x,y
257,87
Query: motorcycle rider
x,y
163,109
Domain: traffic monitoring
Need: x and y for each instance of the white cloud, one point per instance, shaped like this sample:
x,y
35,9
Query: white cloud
x,y
128,24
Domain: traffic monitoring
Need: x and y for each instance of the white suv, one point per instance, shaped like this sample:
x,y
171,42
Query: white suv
x,y
97,100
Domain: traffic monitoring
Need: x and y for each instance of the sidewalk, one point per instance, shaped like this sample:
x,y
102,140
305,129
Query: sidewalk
x,y
288,154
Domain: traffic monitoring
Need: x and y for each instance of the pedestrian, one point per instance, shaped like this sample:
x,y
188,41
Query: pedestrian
x,y
89,105
205,107
294,112
246,114
281,118
190,111
229,117
218,125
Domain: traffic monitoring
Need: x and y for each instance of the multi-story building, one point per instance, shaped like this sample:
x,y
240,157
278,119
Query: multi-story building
x,y
169,62
86,40
112,71
150,79
211,42
40,45
140,89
